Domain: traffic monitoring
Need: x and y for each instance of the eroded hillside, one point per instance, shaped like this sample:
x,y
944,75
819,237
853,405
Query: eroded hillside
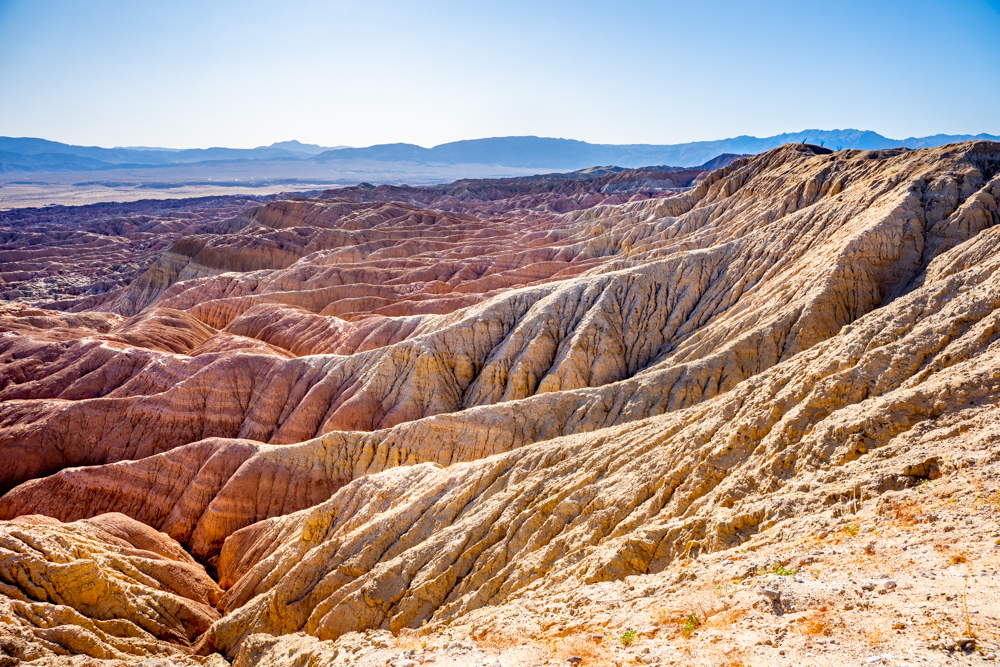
x,y
398,407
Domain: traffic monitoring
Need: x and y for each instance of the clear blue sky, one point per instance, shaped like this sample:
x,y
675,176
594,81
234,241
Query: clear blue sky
x,y
243,74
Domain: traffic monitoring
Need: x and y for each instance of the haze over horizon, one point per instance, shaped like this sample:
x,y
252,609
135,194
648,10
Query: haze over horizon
x,y
242,75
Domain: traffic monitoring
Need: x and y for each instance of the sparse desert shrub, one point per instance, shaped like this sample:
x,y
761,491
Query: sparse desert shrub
x,y
991,501
691,623
852,529
501,641
628,637
817,624
583,646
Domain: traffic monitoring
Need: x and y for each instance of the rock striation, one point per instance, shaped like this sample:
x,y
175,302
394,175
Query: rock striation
x,y
686,296
386,407
77,257
868,411
108,587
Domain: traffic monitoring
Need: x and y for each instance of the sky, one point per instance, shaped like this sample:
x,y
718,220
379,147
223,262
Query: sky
x,y
243,74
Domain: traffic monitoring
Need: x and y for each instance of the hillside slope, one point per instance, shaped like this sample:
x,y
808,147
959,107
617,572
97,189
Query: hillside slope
x,y
390,407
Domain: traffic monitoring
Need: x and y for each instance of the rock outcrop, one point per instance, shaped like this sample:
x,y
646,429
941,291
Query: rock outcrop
x,y
689,296
868,411
108,587
75,258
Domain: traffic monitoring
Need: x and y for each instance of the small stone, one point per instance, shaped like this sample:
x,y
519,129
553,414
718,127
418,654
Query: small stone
x,y
574,660
772,594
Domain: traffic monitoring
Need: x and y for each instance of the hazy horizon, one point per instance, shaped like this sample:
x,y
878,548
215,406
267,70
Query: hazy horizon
x,y
311,143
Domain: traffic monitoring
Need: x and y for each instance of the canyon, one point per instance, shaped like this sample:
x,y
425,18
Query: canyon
x,y
330,427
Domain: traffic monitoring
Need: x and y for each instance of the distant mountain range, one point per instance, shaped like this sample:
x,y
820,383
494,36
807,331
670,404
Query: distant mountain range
x,y
40,155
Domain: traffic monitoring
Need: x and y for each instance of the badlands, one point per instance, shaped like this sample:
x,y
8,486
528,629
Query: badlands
x,y
743,414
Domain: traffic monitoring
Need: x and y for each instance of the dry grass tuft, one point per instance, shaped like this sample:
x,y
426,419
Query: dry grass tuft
x,y
710,609
906,513
501,641
959,558
732,659
594,653
874,635
817,624
408,640
727,617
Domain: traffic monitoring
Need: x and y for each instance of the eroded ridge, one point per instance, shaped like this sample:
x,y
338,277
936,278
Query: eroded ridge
x,y
108,587
367,413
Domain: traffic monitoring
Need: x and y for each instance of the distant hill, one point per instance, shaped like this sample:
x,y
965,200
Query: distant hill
x,y
108,157
46,162
299,147
542,153
293,146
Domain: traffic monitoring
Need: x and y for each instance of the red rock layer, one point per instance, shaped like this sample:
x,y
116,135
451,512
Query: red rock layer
x,y
662,304
78,257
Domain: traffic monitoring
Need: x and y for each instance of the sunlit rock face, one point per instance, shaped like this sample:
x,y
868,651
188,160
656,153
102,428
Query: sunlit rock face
x,y
385,406
108,587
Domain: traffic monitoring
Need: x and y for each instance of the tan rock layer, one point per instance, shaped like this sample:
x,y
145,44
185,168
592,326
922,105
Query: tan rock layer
x,y
869,410
108,587
613,330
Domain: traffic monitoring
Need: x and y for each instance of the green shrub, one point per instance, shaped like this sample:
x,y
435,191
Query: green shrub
x,y
690,623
